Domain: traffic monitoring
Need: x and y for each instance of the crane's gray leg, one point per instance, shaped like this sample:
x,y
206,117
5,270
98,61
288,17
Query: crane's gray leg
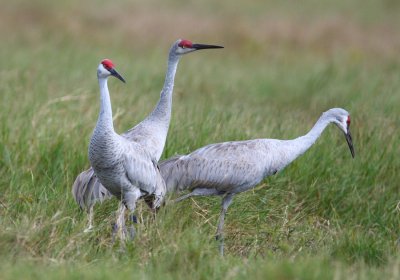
x,y
130,199
226,201
90,220
119,228
198,192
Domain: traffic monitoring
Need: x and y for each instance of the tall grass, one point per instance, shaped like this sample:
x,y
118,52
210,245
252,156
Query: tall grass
x,y
325,216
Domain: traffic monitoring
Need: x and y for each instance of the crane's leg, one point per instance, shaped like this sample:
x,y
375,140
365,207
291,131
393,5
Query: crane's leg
x,y
90,220
119,228
199,192
226,201
130,199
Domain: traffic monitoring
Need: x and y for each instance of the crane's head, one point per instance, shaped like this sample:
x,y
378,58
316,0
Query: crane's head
x,y
181,47
106,69
342,119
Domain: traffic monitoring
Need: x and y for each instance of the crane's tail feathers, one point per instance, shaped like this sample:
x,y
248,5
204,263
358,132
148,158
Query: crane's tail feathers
x,y
87,190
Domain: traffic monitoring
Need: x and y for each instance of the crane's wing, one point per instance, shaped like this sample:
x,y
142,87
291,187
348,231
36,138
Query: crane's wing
x,y
140,169
227,166
87,190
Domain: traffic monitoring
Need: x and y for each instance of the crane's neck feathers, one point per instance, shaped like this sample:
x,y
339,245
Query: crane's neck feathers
x,y
162,111
303,143
105,121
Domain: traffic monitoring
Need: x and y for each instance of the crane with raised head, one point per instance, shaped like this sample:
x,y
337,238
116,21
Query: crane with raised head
x,y
123,167
226,169
151,133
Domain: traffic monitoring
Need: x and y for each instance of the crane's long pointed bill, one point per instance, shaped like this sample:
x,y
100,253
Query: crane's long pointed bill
x,y
350,142
203,46
116,75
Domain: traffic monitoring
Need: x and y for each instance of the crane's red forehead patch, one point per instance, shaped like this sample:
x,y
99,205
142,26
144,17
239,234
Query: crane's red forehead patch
x,y
185,44
107,63
348,120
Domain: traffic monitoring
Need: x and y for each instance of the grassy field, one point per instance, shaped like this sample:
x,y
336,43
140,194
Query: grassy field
x,y
326,216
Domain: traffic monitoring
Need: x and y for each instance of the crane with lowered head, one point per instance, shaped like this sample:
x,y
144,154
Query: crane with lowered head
x,y
226,169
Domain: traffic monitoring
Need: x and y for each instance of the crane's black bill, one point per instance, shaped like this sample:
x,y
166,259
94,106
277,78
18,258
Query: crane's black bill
x,y
116,75
350,142
203,47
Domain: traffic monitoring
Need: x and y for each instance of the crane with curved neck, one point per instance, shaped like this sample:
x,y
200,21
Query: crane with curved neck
x,y
228,168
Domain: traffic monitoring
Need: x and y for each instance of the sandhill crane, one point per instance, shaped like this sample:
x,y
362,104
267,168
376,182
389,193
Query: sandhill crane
x,y
150,133
123,167
228,168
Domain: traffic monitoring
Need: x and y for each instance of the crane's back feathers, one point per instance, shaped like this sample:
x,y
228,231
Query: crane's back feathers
x,y
227,167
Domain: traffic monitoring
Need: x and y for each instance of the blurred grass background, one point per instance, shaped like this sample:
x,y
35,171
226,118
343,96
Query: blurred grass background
x,y
284,63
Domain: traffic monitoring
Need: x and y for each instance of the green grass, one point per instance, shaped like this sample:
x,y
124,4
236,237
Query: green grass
x,y
326,216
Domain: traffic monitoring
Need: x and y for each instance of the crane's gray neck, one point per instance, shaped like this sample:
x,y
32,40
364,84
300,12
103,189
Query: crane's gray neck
x,y
303,143
105,121
103,146
162,111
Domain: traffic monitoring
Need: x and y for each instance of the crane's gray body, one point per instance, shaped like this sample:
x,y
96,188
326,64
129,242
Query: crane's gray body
x,y
124,168
234,167
229,167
